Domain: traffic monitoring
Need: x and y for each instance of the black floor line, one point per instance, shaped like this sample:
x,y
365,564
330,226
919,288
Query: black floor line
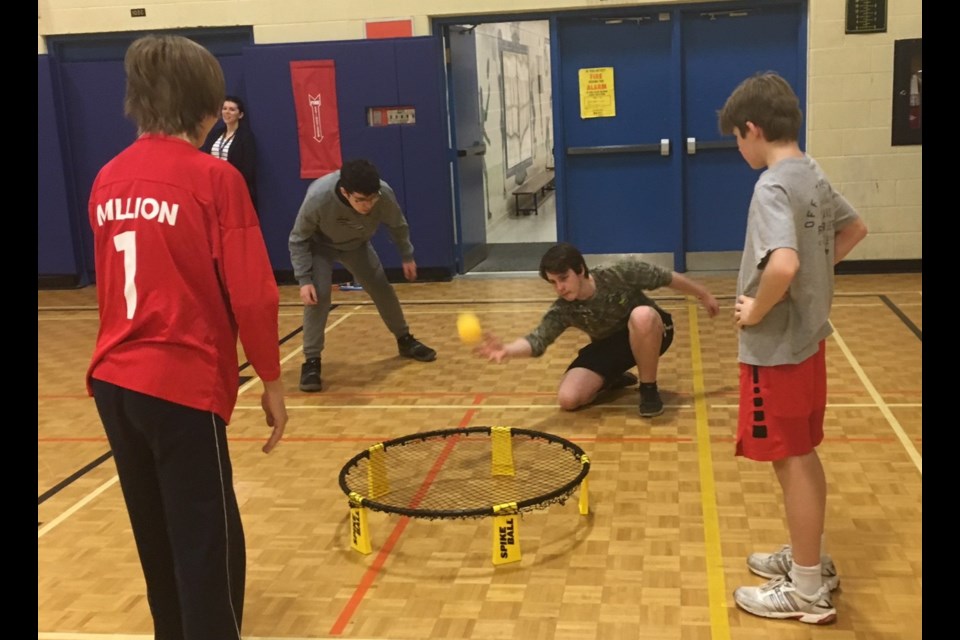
x,y
282,340
903,317
76,475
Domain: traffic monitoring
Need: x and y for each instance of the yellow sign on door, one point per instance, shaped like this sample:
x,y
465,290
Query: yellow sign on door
x,y
597,99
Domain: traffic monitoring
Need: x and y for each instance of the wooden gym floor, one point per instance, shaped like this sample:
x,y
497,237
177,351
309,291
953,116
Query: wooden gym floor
x,y
673,512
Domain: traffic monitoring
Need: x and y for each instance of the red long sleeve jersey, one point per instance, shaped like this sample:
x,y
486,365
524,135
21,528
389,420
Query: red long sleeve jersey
x,y
182,272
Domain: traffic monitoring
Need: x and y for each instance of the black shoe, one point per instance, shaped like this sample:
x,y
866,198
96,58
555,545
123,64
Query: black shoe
x,y
310,375
410,347
650,403
625,379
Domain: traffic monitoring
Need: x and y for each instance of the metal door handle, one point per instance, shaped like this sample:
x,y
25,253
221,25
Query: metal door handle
x,y
477,149
693,146
664,146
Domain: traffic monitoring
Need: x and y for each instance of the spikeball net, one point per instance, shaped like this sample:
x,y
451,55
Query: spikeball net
x,y
475,472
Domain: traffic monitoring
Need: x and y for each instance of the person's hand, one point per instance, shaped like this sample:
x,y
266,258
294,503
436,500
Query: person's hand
x,y
743,312
410,270
491,348
308,294
710,304
275,411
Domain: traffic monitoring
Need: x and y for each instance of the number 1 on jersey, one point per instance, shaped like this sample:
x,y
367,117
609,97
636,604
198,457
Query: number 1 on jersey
x,y
126,243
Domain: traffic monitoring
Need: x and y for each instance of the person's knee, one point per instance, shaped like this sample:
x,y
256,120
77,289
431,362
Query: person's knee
x,y
645,320
324,297
569,400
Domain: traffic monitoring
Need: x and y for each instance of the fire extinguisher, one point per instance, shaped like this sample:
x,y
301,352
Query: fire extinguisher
x,y
914,119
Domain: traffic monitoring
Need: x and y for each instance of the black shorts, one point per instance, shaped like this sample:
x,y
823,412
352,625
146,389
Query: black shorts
x,y
612,355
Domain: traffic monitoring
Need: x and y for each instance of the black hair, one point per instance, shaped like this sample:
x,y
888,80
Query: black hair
x,y
360,176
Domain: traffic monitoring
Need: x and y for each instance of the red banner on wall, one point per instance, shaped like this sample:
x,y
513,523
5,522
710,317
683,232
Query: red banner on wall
x,y
318,126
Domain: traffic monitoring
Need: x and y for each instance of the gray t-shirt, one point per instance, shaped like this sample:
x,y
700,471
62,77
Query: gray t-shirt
x,y
795,207
327,220
620,288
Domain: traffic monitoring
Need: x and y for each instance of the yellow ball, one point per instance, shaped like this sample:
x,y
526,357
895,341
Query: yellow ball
x,y
468,327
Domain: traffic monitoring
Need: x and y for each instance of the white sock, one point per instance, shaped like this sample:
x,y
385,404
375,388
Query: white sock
x,y
807,580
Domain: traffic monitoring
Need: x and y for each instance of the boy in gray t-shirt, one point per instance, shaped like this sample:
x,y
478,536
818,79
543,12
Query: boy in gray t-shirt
x,y
798,228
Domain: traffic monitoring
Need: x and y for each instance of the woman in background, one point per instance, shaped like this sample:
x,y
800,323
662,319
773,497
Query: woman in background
x,y
232,140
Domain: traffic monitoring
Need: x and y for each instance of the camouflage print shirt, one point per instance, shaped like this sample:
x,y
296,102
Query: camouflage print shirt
x,y
620,288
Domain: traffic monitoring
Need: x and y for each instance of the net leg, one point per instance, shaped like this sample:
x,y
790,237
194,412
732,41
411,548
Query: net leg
x,y
506,534
584,503
359,530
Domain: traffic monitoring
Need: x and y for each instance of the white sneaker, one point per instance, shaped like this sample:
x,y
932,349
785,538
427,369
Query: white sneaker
x,y
774,565
779,598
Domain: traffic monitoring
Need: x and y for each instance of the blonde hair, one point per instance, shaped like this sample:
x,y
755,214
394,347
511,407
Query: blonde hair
x,y
173,85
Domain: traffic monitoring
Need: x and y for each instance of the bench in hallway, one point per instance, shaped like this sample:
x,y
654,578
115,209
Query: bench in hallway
x,y
535,188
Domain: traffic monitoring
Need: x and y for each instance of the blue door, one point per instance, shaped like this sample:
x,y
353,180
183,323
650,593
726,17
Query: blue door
x,y
468,145
657,177
620,184
720,49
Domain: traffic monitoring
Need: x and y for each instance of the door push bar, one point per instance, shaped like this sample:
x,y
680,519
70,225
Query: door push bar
x,y
693,146
662,147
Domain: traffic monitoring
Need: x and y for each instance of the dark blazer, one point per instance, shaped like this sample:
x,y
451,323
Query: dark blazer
x,y
242,155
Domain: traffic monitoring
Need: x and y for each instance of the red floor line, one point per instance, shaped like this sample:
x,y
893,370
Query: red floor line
x,y
358,394
374,570
598,439
493,394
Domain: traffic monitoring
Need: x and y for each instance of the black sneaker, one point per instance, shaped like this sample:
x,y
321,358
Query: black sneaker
x,y
310,375
410,347
625,379
650,403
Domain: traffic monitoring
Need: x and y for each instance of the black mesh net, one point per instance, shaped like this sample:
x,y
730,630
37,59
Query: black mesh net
x,y
450,473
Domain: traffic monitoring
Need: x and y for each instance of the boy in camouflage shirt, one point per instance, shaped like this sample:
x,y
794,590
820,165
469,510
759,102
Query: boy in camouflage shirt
x,y
626,328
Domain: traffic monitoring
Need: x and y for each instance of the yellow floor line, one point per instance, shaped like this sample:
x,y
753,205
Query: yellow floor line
x,y
883,406
717,590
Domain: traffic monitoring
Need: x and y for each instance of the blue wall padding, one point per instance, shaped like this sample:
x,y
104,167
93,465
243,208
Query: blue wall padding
x,y
370,73
411,158
90,103
55,250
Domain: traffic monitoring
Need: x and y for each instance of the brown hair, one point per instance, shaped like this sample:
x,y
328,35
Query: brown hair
x,y
173,85
561,257
766,100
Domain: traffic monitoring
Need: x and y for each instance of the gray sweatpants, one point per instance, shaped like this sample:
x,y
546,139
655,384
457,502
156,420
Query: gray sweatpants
x,y
364,264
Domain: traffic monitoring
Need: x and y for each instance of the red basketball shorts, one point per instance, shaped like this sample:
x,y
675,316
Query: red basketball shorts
x,y
782,408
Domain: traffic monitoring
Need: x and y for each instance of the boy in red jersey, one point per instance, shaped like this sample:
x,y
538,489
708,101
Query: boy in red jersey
x,y
798,228
182,271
